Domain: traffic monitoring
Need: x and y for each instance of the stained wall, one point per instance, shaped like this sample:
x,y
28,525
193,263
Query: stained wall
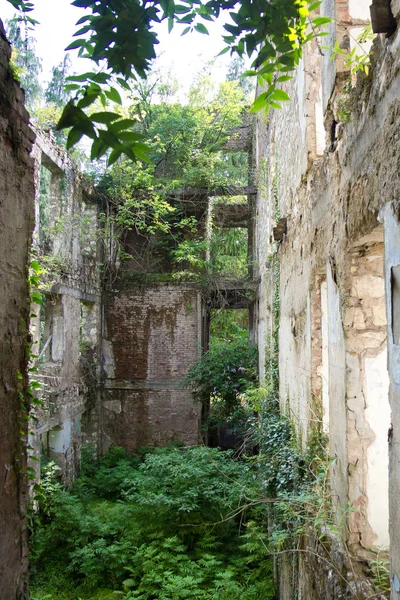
x,y
337,272
16,222
152,336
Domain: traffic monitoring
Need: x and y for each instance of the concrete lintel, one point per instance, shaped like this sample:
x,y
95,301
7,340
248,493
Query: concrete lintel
x,y
63,290
57,420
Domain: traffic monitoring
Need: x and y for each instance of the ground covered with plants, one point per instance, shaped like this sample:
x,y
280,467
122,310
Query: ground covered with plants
x,y
172,523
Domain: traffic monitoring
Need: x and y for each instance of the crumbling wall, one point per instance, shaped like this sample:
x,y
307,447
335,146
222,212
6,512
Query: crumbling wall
x,y
16,220
67,329
152,336
333,330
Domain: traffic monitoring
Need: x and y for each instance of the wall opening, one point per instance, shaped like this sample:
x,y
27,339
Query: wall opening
x,y
52,344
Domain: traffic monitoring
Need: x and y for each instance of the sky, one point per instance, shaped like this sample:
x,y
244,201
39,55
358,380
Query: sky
x,y
186,55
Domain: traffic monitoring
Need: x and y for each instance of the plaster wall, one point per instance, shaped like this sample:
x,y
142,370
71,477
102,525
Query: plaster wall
x,y
332,214
367,388
390,214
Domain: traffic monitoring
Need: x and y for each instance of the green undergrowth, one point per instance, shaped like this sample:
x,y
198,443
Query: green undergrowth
x,y
172,523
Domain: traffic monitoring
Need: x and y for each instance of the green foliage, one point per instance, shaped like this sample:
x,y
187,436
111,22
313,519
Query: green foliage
x,y
26,64
229,253
55,91
168,524
357,59
119,35
222,375
186,150
228,325
380,567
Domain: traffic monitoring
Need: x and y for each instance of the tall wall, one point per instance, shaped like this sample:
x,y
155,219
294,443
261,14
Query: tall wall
x,y
152,335
67,327
16,221
338,345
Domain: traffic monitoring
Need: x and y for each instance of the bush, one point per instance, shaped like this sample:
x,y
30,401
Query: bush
x,y
171,524
222,375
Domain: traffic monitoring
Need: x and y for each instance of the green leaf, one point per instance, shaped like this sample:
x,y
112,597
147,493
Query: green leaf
x,y
182,10
259,102
99,148
104,117
130,136
141,151
224,51
114,156
124,124
201,28
319,21
113,95
87,100
124,84
35,266
74,136
280,95
76,44
250,73
72,87
82,3
314,6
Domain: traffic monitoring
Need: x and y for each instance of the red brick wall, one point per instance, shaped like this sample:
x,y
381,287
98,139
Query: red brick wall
x,y
154,335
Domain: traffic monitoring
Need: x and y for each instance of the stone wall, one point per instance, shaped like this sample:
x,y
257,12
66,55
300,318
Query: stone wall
x,y
338,346
152,336
16,221
67,329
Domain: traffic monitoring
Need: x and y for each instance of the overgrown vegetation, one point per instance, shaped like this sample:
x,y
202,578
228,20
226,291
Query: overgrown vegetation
x,y
222,376
119,36
160,215
172,523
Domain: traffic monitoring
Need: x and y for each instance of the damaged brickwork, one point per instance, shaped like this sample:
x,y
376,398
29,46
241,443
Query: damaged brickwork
x,y
152,336
339,193
324,232
67,328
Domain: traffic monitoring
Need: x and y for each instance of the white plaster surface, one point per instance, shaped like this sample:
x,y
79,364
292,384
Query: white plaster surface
x,y
377,413
324,369
337,393
60,438
359,9
57,342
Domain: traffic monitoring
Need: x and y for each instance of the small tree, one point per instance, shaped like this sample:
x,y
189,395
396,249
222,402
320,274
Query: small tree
x,y
24,58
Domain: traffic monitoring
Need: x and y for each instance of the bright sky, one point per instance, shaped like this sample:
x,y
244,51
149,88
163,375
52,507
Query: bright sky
x,y
187,54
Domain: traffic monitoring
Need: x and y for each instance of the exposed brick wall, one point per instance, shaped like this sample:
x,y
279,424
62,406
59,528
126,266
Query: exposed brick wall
x,y
153,335
16,210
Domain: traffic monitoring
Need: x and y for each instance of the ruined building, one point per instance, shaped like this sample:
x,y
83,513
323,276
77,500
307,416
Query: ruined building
x,y
324,241
327,242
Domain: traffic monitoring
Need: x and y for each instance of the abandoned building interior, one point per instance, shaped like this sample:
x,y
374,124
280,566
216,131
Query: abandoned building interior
x,y
113,343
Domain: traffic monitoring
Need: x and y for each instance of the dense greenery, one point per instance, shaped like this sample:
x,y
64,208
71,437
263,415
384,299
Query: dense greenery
x,y
119,35
166,202
221,377
27,66
172,523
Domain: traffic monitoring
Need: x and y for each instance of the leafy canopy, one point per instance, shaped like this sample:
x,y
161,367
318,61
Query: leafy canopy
x,y
118,34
